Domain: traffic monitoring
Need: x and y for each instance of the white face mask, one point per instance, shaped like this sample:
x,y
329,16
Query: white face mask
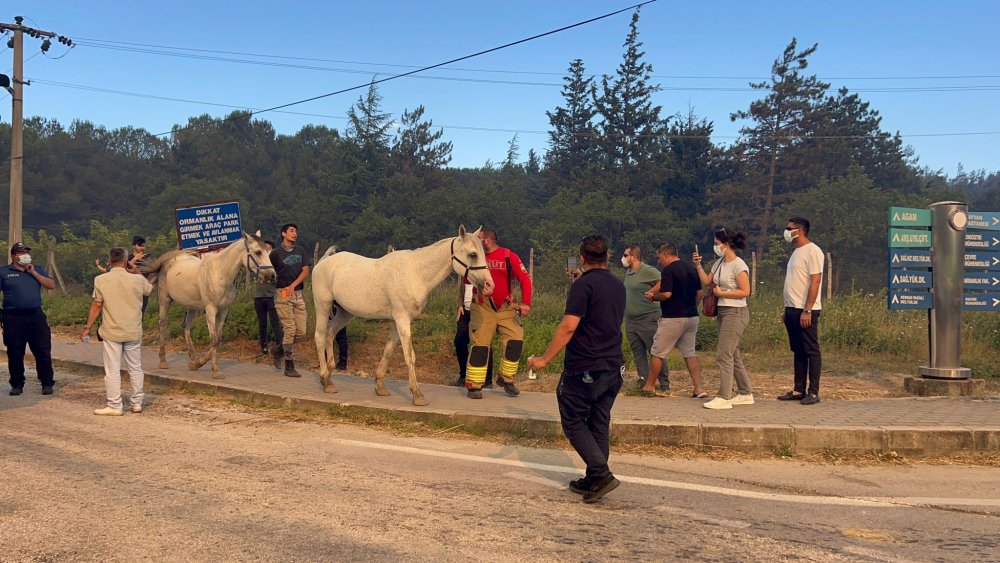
x,y
24,259
625,261
718,250
789,237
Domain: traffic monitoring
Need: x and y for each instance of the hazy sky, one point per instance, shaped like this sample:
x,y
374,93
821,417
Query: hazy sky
x,y
932,69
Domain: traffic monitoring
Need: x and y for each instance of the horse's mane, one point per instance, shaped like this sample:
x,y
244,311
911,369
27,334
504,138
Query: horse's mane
x,y
158,264
329,252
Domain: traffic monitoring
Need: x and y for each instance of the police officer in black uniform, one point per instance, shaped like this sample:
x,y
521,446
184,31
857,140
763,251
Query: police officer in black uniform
x,y
23,321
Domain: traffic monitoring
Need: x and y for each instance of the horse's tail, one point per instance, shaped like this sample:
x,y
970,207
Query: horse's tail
x,y
329,252
152,269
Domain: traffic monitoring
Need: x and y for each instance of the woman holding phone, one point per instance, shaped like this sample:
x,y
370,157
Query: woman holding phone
x,y
732,286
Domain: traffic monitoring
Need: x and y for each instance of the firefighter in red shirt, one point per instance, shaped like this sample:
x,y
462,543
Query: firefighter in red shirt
x,y
498,313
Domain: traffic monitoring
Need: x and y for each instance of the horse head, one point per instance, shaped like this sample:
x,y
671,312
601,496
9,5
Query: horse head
x,y
258,260
468,258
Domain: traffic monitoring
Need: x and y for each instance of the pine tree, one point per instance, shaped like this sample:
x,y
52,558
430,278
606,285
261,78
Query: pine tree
x,y
368,128
416,149
781,120
631,124
573,135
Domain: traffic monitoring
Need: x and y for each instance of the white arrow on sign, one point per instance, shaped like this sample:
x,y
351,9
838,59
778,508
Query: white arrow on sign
x,y
996,301
996,220
895,299
996,281
996,241
895,217
895,258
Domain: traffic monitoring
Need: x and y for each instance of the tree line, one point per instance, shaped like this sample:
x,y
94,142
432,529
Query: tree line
x,y
617,164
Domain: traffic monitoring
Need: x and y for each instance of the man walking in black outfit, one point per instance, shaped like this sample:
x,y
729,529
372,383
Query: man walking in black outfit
x,y
593,369
23,322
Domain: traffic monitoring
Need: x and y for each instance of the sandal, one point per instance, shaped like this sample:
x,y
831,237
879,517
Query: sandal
x,y
790,396
650,394
702,395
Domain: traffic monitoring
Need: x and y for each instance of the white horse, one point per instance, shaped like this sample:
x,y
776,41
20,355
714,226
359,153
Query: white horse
x,y
395,286
206,284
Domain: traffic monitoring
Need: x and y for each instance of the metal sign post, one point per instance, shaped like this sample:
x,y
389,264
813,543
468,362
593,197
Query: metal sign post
x,y
948,223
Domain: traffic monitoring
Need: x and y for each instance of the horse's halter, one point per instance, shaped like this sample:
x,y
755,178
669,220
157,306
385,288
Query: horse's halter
x,y
252,264
467,267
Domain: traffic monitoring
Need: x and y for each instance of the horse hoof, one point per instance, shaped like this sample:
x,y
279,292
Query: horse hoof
x,y
193,366
217,375
382,392
420,402
331,388
163,365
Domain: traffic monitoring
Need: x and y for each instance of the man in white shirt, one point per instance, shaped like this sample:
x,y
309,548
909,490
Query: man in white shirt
x,y
803,280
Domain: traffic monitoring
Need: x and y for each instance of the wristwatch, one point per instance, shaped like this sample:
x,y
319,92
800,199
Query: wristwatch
x,y
807,312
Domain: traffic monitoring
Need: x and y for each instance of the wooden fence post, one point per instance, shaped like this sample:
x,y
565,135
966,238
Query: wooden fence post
x,y
51,266
829,277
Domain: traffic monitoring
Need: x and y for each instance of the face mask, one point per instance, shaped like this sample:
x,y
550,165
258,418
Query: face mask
x,y
625,261
718,250
24,259
789,237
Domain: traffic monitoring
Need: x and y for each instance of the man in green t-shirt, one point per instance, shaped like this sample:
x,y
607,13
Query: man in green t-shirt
x,y
641,315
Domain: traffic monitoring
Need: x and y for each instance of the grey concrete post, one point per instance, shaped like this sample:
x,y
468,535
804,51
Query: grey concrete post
x,y
948,221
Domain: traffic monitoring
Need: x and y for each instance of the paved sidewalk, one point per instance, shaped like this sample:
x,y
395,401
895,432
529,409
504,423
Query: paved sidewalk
x,y
908,426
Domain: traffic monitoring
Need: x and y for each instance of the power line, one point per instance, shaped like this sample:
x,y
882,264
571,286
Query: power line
x,y
409,73
152,49
459,127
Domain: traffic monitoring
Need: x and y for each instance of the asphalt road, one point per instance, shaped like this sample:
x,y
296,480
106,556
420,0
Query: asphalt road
x,y
196,479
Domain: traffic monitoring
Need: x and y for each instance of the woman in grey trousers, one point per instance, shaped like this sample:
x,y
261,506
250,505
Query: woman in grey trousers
x,y
732,281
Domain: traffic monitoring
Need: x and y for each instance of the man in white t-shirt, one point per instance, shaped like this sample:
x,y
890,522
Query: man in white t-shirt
x,y
803,279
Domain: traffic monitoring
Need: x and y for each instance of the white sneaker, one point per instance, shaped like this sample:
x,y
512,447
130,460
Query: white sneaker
x,y
108,411
718,403
742,400
137,408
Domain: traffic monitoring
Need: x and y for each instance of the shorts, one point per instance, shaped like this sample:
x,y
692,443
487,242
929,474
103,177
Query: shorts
x,y
671,333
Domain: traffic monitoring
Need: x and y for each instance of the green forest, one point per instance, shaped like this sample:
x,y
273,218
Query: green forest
x,y
617,164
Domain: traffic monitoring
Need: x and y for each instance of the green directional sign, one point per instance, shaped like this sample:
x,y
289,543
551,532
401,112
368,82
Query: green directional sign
x,y
909,217
909,238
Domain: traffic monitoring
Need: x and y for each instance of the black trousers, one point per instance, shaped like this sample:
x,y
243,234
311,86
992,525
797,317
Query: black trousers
x,y
32,329
341,340
462,341
264,306
585,412
804,343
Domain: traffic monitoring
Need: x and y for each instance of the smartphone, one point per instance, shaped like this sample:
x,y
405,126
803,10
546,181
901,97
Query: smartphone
x,y
571,262
696,249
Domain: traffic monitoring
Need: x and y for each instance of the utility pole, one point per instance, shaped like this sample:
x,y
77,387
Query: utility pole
x,y
16,43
